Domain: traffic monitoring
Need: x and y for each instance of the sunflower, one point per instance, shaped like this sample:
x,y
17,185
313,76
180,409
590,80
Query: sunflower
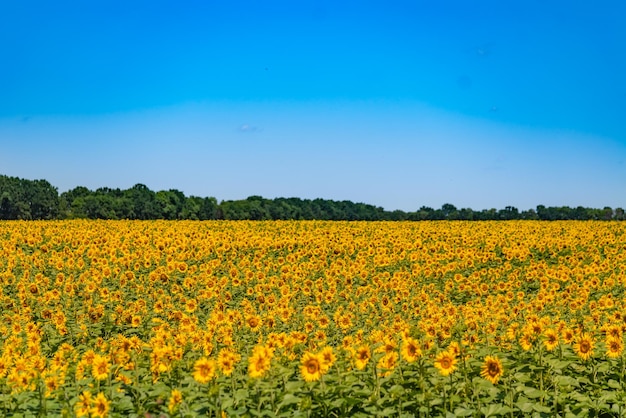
x,y
445,362
311,368
526,342
613,331
135,321
614,347
323,321
260,361
100,367
454,348
176,397
389,345
492,369
100,406
584,347
361,356
204,370
254,322
551,339
327,358
387,363
226,361
83,405
568,335
411,350
5,361
52,383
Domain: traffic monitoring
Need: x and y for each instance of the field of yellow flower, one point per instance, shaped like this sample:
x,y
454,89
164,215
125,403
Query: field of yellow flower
x,y
310,318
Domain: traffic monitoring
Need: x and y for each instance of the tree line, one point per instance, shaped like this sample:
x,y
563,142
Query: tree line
x,y
38,199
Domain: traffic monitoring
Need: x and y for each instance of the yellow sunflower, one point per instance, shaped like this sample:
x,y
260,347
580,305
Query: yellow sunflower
x,y
492,369
227,360
550,339
445,362
100,367
614,347
260,361
411,350
176,397
327,358
100,406
387,363
362,356
526,342
584,347
204,370
311,368
83,405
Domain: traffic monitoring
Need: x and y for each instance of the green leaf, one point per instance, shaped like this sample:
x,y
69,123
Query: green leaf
x,y
525,405
492,410
614,384
565,381
227,403
533,393
558,364
406,404
396,391
541,408
240,395
289,399
338,403
603,367
293,386
463,412
387,412
436,401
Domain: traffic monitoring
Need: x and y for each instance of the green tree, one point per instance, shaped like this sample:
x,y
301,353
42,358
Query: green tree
x,y
144,202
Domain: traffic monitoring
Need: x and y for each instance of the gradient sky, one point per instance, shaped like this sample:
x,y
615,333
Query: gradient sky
x,y
399,104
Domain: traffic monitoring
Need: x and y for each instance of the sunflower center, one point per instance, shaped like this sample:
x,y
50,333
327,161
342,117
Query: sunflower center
x,y
311,367
493,369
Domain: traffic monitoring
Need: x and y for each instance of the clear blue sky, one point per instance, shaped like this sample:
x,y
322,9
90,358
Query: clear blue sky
x,y
398,103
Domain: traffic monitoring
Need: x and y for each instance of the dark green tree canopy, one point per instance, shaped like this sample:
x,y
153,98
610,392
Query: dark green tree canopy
x,y
38,199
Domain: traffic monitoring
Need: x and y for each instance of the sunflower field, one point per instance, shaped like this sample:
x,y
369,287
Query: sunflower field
x,y
312,318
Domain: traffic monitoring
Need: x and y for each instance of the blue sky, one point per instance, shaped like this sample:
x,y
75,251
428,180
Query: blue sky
x,y
399,104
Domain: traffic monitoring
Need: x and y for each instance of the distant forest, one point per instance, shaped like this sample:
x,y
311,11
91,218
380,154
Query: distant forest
x,y
38,199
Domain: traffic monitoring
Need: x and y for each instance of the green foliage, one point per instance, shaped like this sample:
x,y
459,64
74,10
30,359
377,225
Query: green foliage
x,y
37,199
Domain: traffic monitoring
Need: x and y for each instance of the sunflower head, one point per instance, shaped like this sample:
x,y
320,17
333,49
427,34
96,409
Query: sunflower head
x,y
550,339
614,347
260,361
100,367
445,362
101,406
492,369
362,356
584,346
327,358
204,370
411,350
176,397
311,368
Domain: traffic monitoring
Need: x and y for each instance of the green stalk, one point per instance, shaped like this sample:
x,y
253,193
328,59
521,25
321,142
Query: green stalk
x,y
541,399
445,399
621,381
511,395
451,386
421,360
556,397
